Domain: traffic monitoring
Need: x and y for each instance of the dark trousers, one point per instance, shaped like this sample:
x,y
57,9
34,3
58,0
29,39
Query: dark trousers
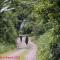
x,y
21,38
26,40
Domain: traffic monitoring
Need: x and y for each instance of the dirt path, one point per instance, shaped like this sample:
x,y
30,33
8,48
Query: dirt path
x,y
32,49
32,53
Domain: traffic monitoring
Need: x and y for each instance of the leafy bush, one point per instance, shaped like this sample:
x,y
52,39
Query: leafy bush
x,y
43,43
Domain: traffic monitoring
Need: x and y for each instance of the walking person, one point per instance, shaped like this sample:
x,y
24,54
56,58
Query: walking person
x,y
26,40
21,38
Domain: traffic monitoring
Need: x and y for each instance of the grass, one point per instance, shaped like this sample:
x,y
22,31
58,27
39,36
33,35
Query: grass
x,y
5,49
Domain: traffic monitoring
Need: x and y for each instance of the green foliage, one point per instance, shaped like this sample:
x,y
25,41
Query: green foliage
x,y
7,28
47,11
4,47
8,31
27,28
43,43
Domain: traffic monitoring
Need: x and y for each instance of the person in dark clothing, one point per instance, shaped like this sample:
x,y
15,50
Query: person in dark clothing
x,y
26,41
21,38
